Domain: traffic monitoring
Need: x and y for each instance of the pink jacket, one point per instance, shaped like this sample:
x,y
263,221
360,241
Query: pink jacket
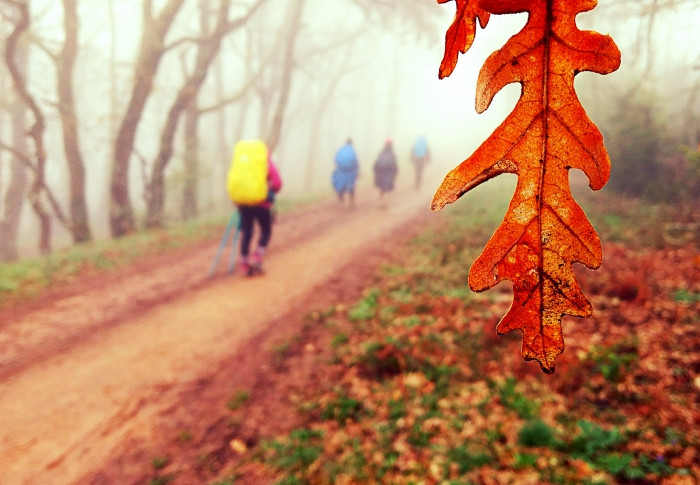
x,y
274,183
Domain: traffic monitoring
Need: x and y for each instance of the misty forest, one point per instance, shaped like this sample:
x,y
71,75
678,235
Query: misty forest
x,y
119,115
135,123
368,351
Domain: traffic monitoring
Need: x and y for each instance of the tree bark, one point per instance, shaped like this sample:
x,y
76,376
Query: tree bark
x,y
79,226
121,213
19,176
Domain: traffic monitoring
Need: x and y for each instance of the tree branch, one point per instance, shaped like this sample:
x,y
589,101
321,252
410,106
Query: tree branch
x,y
44,48
22,157
240,21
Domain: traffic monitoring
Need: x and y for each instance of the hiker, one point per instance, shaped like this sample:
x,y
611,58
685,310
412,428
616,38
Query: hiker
x,y
253,182
385,169
346,172
420,156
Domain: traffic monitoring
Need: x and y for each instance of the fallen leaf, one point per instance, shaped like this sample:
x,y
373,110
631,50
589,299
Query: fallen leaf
x,y
544,231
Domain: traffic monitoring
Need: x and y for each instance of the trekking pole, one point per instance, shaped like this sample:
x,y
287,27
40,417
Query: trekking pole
x,y
233,220
234,247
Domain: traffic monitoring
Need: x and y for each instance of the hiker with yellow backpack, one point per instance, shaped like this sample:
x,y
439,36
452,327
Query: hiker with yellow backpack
x,y
252,183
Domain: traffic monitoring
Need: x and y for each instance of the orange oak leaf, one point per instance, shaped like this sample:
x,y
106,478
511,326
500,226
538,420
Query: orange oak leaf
x,y
460,35
544,231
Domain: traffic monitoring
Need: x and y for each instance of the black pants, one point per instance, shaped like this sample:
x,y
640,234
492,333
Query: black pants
x,y
250,214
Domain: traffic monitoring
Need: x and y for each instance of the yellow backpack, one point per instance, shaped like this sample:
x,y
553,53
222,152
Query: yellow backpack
x,y
247,176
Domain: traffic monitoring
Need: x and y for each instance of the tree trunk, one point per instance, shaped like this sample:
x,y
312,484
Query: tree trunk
x,y
79,225
19,176
190,192
36,132
222,125
274,134
113,98
121,213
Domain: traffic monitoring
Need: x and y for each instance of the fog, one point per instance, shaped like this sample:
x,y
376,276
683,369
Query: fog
x,y
360,69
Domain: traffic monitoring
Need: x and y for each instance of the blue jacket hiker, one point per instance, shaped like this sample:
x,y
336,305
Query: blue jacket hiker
x,y
346,172
420,156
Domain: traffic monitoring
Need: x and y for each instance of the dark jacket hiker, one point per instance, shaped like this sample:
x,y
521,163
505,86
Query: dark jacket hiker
x,y
385,169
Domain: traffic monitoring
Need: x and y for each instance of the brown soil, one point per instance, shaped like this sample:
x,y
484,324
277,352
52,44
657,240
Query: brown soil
x,y
103,376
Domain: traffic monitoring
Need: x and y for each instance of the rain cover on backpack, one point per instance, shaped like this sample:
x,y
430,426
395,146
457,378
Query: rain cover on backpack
x,y
420,148
247,175
345,157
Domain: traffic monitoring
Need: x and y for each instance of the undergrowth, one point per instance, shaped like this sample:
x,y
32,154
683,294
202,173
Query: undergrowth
x,y
29,278
426,393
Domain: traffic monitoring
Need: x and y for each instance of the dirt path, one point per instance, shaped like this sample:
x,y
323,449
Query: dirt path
x,y
91,371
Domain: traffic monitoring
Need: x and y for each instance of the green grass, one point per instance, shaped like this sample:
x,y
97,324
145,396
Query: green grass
x,y
365,309
281,352
524,460
467,459
237,400
513,399
184,436
160,462
685,296
28,278
338,340
341,409
622,224
615,361
593,439
296,453
536,433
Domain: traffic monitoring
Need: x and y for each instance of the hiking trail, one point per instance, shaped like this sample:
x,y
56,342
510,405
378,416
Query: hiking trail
x,y
92,374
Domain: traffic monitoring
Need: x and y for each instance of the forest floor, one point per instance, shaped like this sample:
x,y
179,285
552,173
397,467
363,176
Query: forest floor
x,y
101,376
359,357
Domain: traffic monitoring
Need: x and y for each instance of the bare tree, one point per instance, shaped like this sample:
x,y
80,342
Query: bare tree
x,y
207,49
222,101
79,225
13,200
151,50
292,31
38,189
113,101
332,70
419,18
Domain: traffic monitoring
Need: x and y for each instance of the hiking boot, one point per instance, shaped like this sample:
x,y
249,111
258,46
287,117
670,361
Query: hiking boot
x,y
245,267
256,261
